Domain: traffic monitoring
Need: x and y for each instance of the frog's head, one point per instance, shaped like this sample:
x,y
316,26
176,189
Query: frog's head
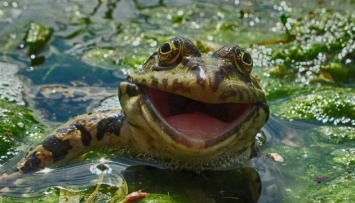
x,y
196,105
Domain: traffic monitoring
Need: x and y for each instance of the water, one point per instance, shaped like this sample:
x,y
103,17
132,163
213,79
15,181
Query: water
x,y
95,43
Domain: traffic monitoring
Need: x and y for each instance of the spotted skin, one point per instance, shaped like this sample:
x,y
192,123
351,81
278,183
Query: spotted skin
x,y
180,74
179,68
74,138
84,134
57,147
109,125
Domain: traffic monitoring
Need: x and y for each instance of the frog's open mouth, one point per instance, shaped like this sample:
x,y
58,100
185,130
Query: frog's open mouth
x,y
194,123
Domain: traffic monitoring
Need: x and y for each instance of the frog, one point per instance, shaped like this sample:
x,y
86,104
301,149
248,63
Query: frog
x,y
183,110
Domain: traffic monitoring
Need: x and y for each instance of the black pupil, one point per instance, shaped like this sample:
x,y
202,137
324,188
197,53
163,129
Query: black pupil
x,y
165,48
246,58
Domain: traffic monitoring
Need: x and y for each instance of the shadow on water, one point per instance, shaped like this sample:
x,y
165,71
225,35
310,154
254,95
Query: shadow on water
x,y
277,129
239,185
78,177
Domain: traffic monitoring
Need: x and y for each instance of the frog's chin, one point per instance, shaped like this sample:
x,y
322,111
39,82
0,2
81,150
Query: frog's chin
x,y
192,123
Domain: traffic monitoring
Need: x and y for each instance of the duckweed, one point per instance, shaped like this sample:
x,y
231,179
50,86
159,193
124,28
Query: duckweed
x,y
322,47
16,123
333,106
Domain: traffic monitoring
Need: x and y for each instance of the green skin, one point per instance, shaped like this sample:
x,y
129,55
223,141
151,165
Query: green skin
x,y
191,110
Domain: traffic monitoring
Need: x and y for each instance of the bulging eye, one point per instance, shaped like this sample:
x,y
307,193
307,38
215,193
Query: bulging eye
x,y
170,52
243,60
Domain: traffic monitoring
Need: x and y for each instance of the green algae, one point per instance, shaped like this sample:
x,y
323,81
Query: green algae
x,y
37,37
326,105
16,123
321,47
113,59
16,120
338,135
161,198
319,165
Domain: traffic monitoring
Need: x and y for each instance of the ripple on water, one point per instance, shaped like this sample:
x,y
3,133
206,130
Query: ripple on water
x,y
72,178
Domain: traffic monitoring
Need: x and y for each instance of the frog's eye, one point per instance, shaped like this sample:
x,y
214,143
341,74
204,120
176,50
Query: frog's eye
x,y
243,60
170,52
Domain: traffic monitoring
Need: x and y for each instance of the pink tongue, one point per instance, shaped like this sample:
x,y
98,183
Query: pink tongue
x,y
197,125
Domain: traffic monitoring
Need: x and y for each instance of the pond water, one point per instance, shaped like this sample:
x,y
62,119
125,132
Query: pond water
x,y
70,56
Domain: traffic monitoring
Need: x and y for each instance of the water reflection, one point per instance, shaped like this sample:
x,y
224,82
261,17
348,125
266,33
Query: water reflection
x,y
239,185
279,130
73,178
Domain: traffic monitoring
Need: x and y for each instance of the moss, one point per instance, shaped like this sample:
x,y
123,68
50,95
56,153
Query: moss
x,y
16,124
107,58
321,48
334,71
338,135
36,38
281,71
318,166
162,198
329,105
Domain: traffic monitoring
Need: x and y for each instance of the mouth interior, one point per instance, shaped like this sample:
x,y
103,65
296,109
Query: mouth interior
x,y
195,119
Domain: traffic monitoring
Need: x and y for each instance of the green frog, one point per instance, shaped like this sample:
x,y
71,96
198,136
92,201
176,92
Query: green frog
x,y
183,110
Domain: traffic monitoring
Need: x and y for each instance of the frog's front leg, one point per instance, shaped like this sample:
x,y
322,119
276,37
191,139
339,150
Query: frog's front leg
x,y
76,137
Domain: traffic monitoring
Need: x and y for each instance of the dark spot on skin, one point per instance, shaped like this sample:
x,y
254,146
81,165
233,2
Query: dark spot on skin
x,y
58,147
132,90
165,82
227,94
144,81
155,82
217,80
109,125
179,86
32,164
176,85
226,71
85,135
